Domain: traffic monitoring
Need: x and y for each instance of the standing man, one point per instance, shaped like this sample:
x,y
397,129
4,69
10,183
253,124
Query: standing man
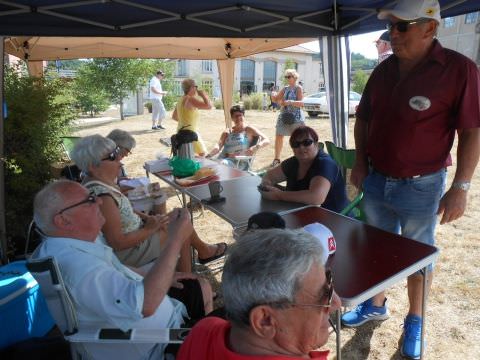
x,y
156,95
414,103
383,46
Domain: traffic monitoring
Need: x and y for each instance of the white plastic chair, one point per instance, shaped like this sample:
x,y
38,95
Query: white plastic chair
x,y
47,274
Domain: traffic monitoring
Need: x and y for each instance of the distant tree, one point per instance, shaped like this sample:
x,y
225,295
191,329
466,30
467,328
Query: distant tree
x,y
360,62
359,81
118,77
89,97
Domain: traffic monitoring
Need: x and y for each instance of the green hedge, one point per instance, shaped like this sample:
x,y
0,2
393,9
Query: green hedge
x,y
39,113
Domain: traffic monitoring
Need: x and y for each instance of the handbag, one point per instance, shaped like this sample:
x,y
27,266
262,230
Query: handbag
x,y
287,118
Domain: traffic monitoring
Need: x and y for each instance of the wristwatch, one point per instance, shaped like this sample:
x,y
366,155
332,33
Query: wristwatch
x,y
462,185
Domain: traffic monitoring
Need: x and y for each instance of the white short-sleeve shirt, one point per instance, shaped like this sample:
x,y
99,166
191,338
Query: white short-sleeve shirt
x,y
155,83
107,294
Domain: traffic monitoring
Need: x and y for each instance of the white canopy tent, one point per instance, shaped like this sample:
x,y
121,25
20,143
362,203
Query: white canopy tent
x,y
37,49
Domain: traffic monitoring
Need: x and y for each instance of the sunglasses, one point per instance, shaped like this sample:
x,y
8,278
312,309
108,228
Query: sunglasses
x,y
288,77
125,150
304,143
113,155
402,26
91,199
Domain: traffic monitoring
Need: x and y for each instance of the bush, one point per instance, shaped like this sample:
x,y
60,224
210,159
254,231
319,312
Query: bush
x,y
40,111
218,103
253,101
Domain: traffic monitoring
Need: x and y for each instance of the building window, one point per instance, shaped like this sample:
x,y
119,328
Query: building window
x,y
471,18
207,86
269,74
207,66
247,76
449,22
181,68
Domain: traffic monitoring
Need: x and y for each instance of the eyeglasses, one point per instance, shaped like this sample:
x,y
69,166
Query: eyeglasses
x,y
113,155
91,199
328,294
402,26
288,76
304,143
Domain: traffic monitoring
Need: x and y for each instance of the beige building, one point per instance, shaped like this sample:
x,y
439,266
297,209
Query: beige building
x,y
462,34
255,73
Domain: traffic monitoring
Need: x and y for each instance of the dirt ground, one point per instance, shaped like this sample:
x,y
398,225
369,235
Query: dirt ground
x,y
453,314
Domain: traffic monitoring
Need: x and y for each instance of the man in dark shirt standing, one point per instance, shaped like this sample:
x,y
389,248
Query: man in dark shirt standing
x,y
413,104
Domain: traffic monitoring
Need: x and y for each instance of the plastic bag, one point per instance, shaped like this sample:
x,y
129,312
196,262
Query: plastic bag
x,y
182,167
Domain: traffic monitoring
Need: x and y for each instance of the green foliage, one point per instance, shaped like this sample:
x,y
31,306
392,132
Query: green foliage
x,y
39,112
253,101
116,78
89,98
358,61
218,103
359,81
289,64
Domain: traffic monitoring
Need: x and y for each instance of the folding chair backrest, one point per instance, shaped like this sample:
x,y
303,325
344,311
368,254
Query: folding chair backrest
x,y
346,159
343,157
68,143
46,273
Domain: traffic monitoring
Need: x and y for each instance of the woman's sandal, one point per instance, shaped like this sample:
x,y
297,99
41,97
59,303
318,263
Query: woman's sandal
x,y
218,254
275,162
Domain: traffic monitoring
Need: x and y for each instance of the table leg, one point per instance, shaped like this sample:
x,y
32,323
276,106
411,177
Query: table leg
x,y
424,302
338,331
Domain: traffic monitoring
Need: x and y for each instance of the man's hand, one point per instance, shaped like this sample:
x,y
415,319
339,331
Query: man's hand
x,y
452,205
358,174
179,225
182,276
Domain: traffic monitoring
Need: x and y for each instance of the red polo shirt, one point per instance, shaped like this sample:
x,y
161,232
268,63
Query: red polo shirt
x,y
412,122
208,341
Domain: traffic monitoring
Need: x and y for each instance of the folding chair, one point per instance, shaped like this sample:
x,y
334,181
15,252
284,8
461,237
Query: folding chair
x,y
48,276
68,143
248,159
346,159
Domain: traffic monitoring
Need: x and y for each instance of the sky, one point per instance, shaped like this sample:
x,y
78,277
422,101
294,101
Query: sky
x,y
362,44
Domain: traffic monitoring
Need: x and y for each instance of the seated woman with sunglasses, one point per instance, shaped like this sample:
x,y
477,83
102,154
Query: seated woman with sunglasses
x,y
312,176
136,238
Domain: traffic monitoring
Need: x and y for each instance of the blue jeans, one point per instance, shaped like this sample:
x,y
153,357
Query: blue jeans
x,y
404,206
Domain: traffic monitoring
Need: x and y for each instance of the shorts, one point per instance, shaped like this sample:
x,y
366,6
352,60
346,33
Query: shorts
x,y
286,130
404,206
143,253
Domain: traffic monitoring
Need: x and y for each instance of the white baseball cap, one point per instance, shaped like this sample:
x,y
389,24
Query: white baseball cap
x,y
325,236
413,9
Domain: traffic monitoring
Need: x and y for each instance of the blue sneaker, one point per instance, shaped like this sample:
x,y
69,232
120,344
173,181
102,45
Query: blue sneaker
x,y
412,332
365,312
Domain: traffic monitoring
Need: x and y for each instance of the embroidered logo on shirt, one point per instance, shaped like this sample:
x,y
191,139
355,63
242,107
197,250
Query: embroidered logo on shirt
x,y
420,103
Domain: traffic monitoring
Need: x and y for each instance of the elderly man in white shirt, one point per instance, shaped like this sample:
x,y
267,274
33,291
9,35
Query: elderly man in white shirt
x,y
156,95
105,292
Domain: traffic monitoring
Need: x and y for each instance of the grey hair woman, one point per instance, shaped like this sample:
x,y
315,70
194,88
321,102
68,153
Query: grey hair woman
x,y
136,238
124,141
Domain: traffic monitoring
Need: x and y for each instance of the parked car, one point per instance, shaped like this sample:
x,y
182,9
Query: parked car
x,y
317,103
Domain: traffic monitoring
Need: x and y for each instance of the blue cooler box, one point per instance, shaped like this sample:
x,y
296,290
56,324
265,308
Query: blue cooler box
x,y
23,310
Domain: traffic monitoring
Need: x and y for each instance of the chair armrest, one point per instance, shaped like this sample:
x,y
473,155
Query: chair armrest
x,y
353,204
117,336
